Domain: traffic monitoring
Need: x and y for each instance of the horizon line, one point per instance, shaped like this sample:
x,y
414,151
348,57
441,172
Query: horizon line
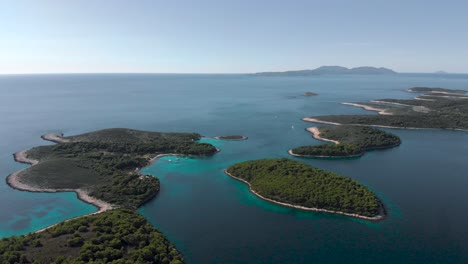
x,y
199,73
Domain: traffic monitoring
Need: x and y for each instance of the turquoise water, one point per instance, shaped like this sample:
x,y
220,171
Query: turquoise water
x,y
213,218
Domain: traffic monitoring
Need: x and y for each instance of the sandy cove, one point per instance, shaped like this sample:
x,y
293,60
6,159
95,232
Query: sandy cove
x,y
375,218
316,134
173,154
370,108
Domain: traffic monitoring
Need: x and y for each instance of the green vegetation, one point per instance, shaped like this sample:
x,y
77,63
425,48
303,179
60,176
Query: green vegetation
x,y
439,112
329,151
354,141
116,236
296,183
432,89
104,163
234,137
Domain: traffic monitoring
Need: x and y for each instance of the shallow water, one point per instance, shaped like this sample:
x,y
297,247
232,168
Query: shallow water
x,y
213,218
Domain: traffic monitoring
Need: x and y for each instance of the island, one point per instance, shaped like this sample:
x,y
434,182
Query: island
x,y
233,137
349,141
115,236
102,167
435,90
295,184
310,94
437,108
330,70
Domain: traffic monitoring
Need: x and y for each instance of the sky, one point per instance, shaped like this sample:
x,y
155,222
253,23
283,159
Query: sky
x,y
230,36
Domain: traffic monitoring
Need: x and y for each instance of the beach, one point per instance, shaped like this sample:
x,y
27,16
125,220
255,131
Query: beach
x,y
370,108
389,103
316,134
315,120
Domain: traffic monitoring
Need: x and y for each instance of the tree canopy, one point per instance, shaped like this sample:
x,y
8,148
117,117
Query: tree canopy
x,y
297,183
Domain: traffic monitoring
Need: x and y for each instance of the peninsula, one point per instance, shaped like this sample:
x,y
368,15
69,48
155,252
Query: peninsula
x,y
436,108
349,141
102,167
298,185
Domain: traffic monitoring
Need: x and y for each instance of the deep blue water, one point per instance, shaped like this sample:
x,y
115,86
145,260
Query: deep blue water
x,y
212,218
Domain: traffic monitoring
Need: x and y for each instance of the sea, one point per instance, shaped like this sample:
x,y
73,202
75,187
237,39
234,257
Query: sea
x,y
212,218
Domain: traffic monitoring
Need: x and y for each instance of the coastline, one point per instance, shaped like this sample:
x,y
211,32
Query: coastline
x,y
14,179
152,160
428,92
389,103
379,217
380,111
316,134
55,137
315,120
423,99
237,139
290,152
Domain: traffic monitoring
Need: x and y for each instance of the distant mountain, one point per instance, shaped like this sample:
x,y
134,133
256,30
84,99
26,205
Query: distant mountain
x,y
330,70
441,72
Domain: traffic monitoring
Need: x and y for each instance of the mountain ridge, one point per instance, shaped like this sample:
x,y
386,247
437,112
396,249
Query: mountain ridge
x,y
338,70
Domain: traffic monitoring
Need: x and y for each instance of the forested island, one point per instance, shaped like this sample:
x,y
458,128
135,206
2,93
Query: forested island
x,y
115,236
102,167
435,89
232,137
298,185
349,141
437,108
310,94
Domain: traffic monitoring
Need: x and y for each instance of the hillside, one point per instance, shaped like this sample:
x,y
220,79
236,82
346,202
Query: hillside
x,y
331,70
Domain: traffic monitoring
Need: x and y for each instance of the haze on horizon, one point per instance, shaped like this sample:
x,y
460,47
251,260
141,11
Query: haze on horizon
x,y
208,36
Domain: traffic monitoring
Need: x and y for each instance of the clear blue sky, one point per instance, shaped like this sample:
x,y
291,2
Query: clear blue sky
x,y
216,36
